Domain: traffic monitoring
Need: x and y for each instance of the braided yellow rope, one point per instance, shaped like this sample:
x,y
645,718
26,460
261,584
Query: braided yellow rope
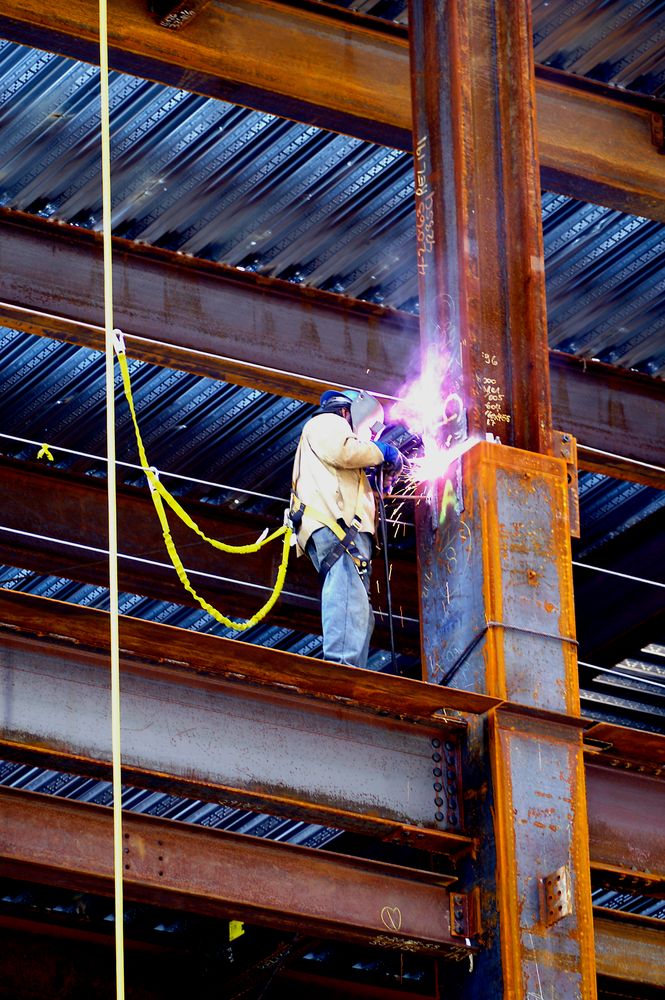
x,y
160,495
112,503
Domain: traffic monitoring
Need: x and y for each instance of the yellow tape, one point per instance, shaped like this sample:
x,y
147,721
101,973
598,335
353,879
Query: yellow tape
x,y
236,929
161,495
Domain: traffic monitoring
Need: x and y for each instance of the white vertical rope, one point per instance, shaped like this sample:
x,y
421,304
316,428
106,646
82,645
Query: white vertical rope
x,y
111,494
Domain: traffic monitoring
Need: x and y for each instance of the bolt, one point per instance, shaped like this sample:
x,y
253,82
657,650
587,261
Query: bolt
x,y
438,816
436,743
437,772
436,757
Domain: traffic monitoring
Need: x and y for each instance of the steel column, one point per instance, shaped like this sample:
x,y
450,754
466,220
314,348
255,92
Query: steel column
x,y
478,229
224,874
494,547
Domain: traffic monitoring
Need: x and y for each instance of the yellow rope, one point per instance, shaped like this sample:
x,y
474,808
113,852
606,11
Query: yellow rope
x,y
45,452
112,513
161,495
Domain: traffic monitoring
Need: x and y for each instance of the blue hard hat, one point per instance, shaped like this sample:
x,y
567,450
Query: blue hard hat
x,y
334,399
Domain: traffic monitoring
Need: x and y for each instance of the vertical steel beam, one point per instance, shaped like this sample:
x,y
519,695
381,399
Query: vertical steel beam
x,y
480,252
494,548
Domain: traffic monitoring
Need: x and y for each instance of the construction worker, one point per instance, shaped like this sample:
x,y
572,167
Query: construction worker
x,y
333,513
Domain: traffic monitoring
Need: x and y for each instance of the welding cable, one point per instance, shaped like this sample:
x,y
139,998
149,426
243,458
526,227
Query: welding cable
x,y
386,564
160,494
112,501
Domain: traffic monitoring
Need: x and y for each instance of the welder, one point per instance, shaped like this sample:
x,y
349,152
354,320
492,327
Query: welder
x,y
333,513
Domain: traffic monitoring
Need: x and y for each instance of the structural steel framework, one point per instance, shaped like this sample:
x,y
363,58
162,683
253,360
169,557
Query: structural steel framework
x,y
497,773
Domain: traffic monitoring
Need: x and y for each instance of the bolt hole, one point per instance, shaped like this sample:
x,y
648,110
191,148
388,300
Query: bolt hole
x,y
161,873
126,866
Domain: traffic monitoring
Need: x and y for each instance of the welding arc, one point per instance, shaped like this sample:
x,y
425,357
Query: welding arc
x,y
384,542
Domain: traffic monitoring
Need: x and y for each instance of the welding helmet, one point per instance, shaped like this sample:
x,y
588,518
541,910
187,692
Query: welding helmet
x,y
366,411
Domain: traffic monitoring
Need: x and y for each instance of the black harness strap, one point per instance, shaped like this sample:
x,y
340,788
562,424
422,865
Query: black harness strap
x,y
348,545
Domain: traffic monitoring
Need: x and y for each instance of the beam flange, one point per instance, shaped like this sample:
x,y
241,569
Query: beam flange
x,y
187,654
630,950
191,724
159,292
71,511
223,874
323,70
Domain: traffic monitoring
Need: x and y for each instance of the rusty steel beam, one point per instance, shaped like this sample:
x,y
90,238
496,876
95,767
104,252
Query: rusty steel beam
x,y
348,74
195,315
502,569
50,281
497,608
211,872
481,271
201,655
629,949
618,416
358,755
626,832
72,509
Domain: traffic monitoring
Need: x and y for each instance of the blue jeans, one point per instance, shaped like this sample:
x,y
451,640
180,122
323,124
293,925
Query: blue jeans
x,y
348,620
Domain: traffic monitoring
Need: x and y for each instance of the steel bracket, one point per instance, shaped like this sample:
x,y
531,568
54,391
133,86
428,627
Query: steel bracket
x,y
658,131
565,446
447,784
465,914
556,898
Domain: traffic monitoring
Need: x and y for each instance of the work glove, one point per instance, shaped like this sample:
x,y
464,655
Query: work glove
x,y
391,455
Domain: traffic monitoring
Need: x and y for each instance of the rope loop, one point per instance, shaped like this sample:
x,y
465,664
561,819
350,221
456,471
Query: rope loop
x,y
161,496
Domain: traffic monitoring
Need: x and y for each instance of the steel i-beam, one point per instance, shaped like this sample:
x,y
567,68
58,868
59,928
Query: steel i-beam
x,y
223,874
192,729
494,547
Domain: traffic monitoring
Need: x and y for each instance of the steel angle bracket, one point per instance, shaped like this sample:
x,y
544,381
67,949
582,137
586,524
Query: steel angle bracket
x,y
556,899
565,446
465,915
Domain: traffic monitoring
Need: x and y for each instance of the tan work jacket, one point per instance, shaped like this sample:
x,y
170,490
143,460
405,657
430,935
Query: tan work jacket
x,y
327,474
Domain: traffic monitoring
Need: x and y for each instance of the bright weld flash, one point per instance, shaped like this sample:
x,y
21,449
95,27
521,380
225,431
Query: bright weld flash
x,y
436,461
436,415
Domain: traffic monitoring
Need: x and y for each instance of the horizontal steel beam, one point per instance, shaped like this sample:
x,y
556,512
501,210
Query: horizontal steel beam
x,y
188,654
352,757
214,321
223,874
624,828
617,416
626,831
350,75
72,509
631,950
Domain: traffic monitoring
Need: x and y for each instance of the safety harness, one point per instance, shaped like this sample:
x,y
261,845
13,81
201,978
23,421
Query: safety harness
x,y
347,535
